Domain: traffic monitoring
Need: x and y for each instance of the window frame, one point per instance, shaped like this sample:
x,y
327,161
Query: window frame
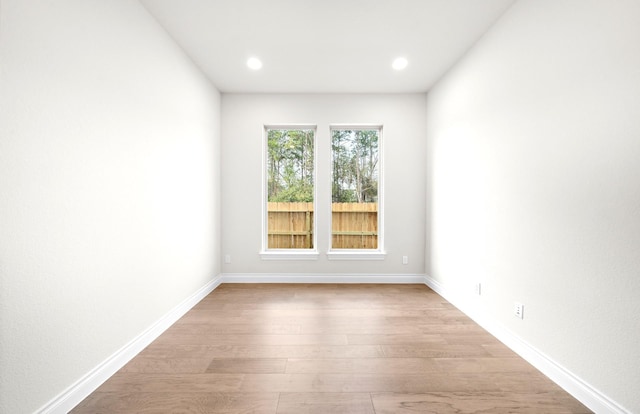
x,y
359,254
267,253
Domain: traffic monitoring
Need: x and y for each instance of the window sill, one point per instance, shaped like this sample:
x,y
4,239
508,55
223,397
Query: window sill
x,y
289,255
356,255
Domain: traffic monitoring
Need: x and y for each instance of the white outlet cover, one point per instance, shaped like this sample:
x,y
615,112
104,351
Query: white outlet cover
x,y
518,310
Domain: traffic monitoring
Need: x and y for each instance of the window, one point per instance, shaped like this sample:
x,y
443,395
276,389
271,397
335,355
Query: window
x,y
290,190
356,213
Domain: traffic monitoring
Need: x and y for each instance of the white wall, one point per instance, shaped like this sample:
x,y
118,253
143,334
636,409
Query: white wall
x,y
109,187
404,137
534,184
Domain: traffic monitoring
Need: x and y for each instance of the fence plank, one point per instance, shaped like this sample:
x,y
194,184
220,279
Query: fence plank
x,y
354,207
354,225
287,207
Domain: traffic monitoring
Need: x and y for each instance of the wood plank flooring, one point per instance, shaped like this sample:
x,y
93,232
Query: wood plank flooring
x,y
370,349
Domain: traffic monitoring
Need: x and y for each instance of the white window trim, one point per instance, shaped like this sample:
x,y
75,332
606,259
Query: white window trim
x,y
356,254
361,254
287,254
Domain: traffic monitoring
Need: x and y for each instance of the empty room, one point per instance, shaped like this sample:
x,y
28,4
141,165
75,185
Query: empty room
x,y
300,206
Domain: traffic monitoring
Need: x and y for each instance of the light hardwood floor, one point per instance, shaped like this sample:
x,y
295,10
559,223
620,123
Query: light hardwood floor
x,y
278,348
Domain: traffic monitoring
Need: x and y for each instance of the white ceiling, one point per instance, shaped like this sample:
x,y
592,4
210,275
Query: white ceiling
x,y
325,46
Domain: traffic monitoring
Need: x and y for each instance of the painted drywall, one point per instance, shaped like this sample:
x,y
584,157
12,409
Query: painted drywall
x,y
534,184
109,187
404,142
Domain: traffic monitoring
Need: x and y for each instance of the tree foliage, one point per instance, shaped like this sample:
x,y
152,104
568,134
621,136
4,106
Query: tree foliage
x,y
355,166
290,165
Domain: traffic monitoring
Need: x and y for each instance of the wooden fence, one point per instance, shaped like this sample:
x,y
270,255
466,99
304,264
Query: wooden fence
x,y
354,225
290,225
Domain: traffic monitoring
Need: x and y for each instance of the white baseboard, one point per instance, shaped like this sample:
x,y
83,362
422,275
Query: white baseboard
x,y
78,391
583,392
321,278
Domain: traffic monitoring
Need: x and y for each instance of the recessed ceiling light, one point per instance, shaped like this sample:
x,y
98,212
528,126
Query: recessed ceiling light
x,y
254,63
400,63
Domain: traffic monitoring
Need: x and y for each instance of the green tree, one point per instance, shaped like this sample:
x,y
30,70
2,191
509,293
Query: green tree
x,y
290,155
355,165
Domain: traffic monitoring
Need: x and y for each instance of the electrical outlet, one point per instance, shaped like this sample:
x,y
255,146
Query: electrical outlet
x,y
478,288
518,310
405,260
227,258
